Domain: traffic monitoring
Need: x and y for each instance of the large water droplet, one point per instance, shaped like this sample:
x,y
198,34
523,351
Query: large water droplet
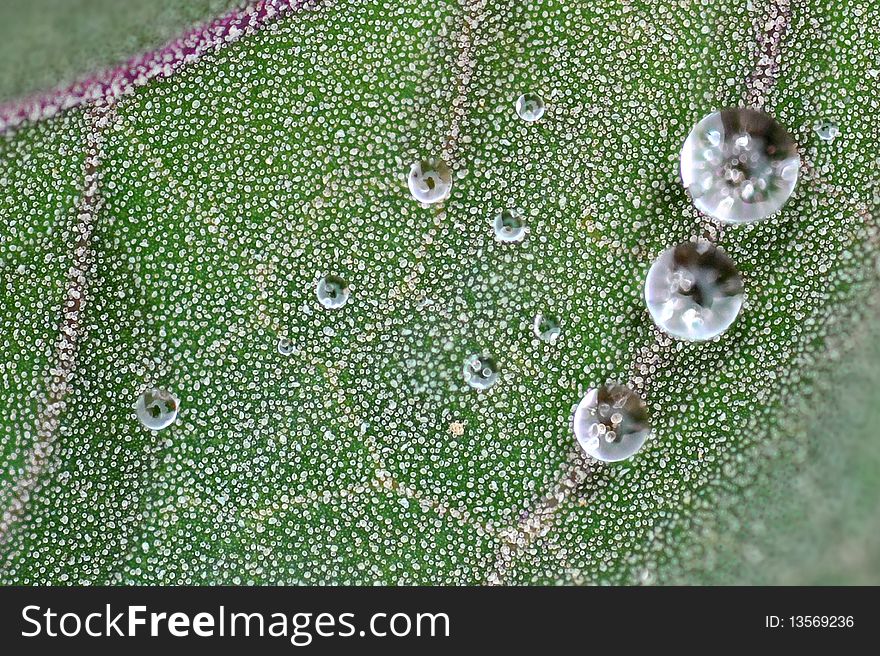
x,y
546,328
480,371
285,346
611,422
693,291
826,130
332,292
157,408
430,180
530,107
509,226
739,165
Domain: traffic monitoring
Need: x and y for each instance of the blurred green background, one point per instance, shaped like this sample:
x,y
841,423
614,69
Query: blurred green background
x,y
816,520
45,43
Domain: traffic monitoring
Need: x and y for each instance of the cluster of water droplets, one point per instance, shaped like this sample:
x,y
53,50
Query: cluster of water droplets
x,y
739,166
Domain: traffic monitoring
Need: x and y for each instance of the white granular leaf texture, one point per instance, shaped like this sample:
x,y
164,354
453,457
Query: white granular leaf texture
x,y
171,232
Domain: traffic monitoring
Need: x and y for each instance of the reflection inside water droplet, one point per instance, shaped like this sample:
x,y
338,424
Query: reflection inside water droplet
x,y
546,328
332,292
739,165
826,130
530,107
157,409
509,226
611,422
480,371
693,291
430,180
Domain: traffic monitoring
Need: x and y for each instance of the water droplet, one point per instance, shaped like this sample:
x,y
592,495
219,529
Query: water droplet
x,y
480,371
546,328
509,226
430,180
157,409
826,130
285,346
611,422
693,291
530,107
739,165
332,292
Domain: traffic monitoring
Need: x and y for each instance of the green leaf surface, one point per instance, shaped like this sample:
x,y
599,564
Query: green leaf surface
x,y
227,189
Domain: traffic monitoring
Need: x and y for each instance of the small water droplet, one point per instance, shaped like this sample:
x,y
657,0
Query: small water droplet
x,y
739,165
480,371
546,328
430,180
693,291
157,409
509,226
285,346
826,130
530,107
332,292
618,416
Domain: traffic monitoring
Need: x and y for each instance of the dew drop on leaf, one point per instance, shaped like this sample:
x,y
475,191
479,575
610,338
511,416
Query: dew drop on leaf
x,y
546,328
509,226
739,165
530,107
826,130
332,292
285,346
480,371
611,422
430,180
157,408
693,291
